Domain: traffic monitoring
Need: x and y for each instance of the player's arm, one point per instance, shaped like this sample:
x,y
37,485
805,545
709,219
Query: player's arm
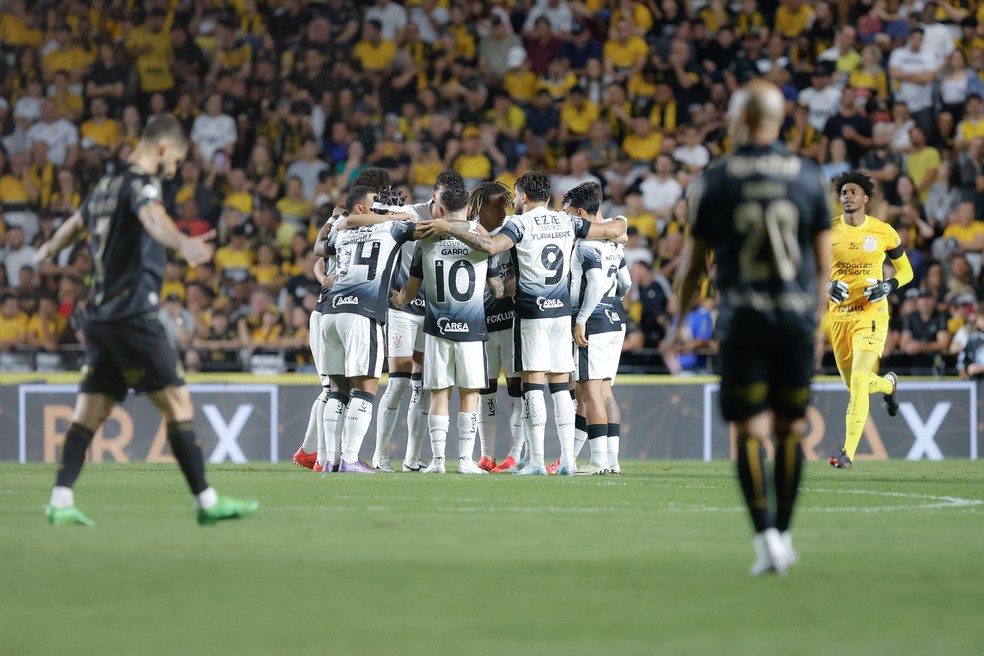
x,y
623,280
322,275
354,221
822,250
67,234
594,291
195,250
410,290
612,230
879,289
479,239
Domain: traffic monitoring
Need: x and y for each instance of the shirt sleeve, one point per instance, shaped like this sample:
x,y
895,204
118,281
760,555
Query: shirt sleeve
x,y
513,229
894,248
417,264
581,227
403,231
144,191
492,270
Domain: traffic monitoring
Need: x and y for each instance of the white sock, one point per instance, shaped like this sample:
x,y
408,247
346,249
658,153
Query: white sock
x,y
208,498
580,435
358,416
598,442
423,427
517,429
62,497
438,426
613,439
311,437
389,411
334,420
467,425
564,417
536,422
488,425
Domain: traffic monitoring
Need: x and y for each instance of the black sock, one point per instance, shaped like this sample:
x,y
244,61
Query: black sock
x,y
751,475
595,431
580,423
188,452
77,440
789,470
614,430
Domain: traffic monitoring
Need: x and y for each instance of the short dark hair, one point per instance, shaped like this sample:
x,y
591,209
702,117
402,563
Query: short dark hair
x,y
357,195
165,126
535,185
454,198
585,196
449,178
860,178
375,178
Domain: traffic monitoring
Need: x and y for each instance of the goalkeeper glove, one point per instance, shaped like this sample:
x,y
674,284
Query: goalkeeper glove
x,y
879,289
837,291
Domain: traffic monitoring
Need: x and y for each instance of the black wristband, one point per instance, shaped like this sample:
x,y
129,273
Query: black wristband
x,y
893,283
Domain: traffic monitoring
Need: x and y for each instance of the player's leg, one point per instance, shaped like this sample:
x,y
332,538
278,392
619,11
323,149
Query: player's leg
x,y
596,416
841,341
580,421
517,428
561,350
470,368
867,343
488,421
311,453
417,414
614,426
532,360
438,423
400,335
334,421
363,341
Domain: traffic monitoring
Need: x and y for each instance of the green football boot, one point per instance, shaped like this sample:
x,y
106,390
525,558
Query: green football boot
x,y
226,508
70,515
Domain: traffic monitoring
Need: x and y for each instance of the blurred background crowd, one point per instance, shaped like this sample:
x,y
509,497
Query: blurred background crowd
x,y
287,100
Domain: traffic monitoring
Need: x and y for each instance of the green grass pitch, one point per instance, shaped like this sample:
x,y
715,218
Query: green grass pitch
x,y
653,562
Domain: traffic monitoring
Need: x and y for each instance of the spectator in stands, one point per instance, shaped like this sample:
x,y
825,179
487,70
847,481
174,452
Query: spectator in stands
x,y
103,131
822,99
692,155
850,125
914,68
578,174
13,323
178,322
217,349
922,162
46,328
214,134
235,258
392,18
925,336
61,136
691,343
661,191
375,52
16,254
970,363
189,221
650,297
150,46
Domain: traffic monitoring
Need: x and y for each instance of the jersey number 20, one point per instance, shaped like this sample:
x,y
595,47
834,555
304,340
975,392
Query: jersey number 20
x,y
777,222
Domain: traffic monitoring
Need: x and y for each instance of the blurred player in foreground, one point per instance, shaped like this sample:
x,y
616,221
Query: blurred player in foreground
x,y
125,344
859,304
763,212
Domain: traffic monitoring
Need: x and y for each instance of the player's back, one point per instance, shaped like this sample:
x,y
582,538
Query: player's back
x,y
544,241
128,264
759,210
606,257
454,276
364,259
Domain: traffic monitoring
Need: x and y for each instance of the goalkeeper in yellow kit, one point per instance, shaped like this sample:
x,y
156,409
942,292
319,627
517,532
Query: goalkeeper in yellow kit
x,y
858,312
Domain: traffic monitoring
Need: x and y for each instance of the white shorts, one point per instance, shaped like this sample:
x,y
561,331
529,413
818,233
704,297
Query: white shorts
x,y
499,350
599,359
404,334
316,340
543,345
352,346
453,364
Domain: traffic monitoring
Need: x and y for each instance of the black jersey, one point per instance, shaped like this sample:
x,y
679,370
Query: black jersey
x,y
759,210
128,262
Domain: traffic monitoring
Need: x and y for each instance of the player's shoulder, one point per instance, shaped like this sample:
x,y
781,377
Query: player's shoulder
x,y
419,210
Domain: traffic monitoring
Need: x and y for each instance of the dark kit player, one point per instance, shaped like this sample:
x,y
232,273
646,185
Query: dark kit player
x,y
763,212
125,344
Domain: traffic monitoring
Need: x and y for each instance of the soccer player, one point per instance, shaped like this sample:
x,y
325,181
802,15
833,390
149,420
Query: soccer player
x,y
599,279
858,304
405,345
454,331
354,314
543,240
487,204
763,212
125,345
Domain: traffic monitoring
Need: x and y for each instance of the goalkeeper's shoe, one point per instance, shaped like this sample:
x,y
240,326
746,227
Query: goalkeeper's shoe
x,y
305,459
840,460
487,463
892,400
226,508
70,515
507,466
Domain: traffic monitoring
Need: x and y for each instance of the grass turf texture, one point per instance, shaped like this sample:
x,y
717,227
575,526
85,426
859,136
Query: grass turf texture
x,y
891,561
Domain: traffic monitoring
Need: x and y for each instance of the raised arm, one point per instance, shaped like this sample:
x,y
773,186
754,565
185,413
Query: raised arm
x,y
354,221
608,230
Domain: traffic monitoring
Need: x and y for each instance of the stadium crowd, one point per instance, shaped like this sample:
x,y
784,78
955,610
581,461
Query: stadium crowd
x,y
286,101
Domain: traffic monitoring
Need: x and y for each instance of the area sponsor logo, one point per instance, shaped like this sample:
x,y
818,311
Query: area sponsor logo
x,y
549,303
447,326
344,300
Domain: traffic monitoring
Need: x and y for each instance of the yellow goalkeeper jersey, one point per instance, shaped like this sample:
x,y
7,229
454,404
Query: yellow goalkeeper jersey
x,y
857,256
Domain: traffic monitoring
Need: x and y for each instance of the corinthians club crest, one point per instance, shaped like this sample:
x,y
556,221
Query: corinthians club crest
x,y
870,244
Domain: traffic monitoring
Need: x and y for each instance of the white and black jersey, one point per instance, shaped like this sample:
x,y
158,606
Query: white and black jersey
x,y
499,312
454,276
594,285
364,267
543,242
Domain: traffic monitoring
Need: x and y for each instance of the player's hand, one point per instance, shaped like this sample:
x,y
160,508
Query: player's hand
x,y
198,250
878,289
434,227
397,299
837,291
42,253
580,337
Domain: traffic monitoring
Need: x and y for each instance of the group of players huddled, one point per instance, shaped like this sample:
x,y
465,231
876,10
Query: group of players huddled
x,y
462,293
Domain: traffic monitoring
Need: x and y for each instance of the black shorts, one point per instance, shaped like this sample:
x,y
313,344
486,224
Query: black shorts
x,y
766,371
130,354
